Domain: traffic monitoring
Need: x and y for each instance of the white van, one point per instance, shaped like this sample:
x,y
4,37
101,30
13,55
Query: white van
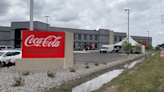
x,y
107,48
6,47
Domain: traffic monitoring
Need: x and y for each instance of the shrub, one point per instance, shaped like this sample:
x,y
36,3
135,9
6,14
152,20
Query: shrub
x,y
96,64
148,47
18,81
87,66
104,63
51,74
72,70
25,73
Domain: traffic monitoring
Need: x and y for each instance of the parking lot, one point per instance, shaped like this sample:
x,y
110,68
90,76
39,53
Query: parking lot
x,y
97,57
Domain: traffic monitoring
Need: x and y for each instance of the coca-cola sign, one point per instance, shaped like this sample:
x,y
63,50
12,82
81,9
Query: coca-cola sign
x,y
43,44
143,42
50,41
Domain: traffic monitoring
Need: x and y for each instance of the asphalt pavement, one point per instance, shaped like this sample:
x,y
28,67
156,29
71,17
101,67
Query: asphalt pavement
x,y
97,57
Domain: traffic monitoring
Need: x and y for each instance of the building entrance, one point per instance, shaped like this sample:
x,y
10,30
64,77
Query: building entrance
x,y
17,39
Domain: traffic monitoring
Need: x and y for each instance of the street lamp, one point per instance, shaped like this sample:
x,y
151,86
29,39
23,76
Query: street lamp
x,y
148,38
47,22
31,15
128,23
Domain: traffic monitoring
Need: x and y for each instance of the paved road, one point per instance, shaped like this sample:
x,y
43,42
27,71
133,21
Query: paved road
x,y
97,57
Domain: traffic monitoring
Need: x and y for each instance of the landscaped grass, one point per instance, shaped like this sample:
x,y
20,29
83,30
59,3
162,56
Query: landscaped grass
x,y
147,76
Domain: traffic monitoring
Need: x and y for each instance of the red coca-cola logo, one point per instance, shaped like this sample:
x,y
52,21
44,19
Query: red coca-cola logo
x,y
49,41
143,43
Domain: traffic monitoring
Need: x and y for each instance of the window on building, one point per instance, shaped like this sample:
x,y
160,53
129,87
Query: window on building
x,y
79,44
119,38
82,45
79,36
85,37
115,38
90,37
18,34
95,45
95,37
18,40
74,36
74,45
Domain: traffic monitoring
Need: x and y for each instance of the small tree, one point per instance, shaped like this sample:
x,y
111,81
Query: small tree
x,y
138,47
126,46
148,47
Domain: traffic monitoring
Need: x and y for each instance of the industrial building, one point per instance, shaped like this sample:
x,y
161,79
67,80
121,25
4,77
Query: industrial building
x,y
82,37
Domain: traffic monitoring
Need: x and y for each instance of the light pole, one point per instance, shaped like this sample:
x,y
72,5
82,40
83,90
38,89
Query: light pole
x,y
148,38
128,23
31,15
47,22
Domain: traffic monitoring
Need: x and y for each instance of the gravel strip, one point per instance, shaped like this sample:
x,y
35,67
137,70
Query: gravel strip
x,y
38,81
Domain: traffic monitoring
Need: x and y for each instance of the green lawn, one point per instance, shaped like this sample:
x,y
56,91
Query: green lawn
x,y
147,76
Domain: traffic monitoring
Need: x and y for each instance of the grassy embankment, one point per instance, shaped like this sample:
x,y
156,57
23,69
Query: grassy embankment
x,y
147,76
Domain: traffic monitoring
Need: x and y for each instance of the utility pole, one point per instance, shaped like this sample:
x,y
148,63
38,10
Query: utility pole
x,y
47,22
162,18
31,15
128,26
128,23
148,38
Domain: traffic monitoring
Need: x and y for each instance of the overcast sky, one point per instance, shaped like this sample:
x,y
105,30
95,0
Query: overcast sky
x,y
145,15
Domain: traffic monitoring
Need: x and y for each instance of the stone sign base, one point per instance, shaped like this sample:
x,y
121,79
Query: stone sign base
x,y
49,63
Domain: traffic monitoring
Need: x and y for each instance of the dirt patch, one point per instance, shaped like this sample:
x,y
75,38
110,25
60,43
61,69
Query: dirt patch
x,y
68,85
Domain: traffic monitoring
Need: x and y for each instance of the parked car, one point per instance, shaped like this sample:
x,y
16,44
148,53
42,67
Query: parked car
x,y
6,47
8,57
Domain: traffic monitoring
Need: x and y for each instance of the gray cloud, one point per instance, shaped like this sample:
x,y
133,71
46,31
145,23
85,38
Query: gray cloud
x,y
4,7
